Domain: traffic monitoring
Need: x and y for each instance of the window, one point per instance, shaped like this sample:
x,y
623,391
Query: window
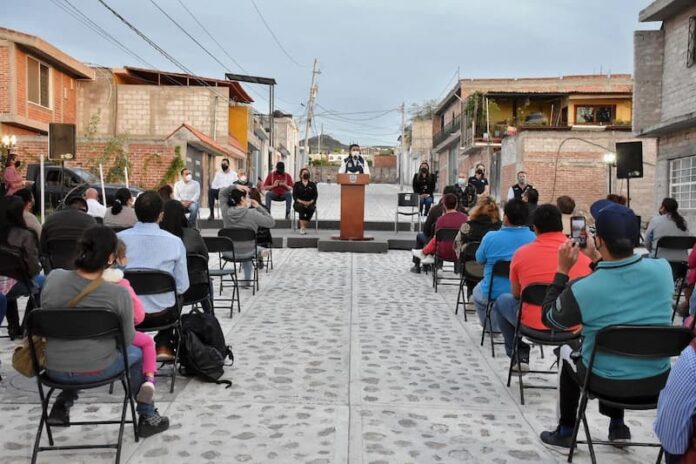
x,y
691,49
682,181
599,115
38,83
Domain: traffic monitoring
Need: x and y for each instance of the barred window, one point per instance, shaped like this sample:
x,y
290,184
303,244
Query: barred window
x,y
691,49
38,83
682,182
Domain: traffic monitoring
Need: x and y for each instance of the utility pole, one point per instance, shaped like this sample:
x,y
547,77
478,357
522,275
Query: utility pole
x,y
321,157
399,161
313,90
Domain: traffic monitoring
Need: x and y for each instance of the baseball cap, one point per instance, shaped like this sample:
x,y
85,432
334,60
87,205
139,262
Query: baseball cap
x,y
614,221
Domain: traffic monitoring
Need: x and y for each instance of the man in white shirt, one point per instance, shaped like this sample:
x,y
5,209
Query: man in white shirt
x,y
354,163
94,208
222,179
188,192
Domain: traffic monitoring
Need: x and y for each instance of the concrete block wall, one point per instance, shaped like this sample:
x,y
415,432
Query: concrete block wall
x,y
648,63
678,81
680,144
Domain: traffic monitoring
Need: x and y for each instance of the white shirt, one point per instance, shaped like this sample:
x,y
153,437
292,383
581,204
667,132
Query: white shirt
x,y
187,191
95,209
224,179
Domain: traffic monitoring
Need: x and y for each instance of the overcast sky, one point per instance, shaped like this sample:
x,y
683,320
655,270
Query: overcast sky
x,y
373,54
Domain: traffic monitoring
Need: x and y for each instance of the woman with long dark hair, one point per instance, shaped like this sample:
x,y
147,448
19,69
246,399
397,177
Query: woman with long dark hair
x,y
424,186
65,360
121,214
304,194
669,223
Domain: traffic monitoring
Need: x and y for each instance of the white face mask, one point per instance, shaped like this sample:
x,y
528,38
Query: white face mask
x,y
243,179
355,153
461,181
188,177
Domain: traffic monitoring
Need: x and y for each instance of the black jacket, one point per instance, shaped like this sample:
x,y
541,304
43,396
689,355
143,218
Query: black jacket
x,y
424,184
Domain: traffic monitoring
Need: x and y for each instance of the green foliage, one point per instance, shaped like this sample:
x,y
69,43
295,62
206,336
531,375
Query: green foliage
x,y
423,111
174,168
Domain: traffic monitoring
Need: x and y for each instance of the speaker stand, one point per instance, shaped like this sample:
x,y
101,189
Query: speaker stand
x,y
628,192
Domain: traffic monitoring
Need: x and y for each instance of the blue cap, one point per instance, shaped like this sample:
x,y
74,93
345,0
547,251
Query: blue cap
x,y
614,221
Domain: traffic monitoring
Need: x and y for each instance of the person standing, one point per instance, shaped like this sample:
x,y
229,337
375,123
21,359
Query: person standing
x,y
13,179
278,186
517,190
188,192
424,186
354,163
223,178
479,181
305,195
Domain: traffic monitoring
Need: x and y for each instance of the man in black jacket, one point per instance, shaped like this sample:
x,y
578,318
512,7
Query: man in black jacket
x,y
428,230
67,224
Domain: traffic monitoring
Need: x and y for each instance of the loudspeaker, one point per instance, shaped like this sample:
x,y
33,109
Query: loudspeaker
x,y
629,160
61,142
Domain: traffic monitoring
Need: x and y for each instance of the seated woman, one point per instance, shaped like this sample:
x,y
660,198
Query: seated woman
x,y
174,221
17,237
667,224
65,361
484,218
304,195
121,214
239,212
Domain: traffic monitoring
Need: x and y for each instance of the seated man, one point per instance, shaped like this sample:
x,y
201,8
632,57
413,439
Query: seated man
x,y
66,224
500,245
94,208
188,192
149,247
535,262
278,186
428,230
623,289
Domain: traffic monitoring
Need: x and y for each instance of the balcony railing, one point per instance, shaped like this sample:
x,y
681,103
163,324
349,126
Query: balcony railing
x,y
449,129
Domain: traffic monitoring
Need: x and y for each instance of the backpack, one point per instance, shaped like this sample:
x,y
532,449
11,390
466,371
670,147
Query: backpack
x,y
203,350
468,196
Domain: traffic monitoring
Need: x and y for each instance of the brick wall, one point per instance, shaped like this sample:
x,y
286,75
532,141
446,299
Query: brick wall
x,y
678,81
384,162
4,79
647,94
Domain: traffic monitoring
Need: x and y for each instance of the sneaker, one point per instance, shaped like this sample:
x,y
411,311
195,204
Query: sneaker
x,y
59,415
418,253
554,438
416,269
521,368
165,354
429,259
619,433
146,394
303,231
152,425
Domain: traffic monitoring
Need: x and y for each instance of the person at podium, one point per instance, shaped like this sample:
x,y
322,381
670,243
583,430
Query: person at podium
x,y
354,163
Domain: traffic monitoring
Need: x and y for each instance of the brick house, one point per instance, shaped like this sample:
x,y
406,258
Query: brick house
x,y
665,98
38,86
534,125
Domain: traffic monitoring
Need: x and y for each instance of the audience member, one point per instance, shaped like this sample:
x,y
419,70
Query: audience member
x,y
451,219
169,256
535,262
239,212
264,238
641,288
466,194
305,194
166,192
29,218
428,230
516,191
479,180
424,186
668,223
618,199
66,224
13,179
683,308
567,206
496,246
223,178
676,410
278,187
243,180
531,198
65,360
484,218
94,208
121,213
188,192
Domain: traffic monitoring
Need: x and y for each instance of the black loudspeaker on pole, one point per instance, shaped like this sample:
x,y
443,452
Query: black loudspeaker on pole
x,y
629,160
61,142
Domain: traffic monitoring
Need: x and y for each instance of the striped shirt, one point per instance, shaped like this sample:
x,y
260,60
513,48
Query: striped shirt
x,y
677,405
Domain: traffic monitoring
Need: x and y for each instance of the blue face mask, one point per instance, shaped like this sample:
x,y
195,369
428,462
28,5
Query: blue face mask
x,y
118,266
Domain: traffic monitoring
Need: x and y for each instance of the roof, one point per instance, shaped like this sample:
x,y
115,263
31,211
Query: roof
x,y
158,77
659,10
232,149
47,52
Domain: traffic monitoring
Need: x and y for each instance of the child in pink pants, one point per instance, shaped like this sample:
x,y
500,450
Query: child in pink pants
x,y
141,340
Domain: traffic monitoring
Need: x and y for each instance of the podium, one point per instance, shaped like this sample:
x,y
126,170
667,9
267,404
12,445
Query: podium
x,y
353,206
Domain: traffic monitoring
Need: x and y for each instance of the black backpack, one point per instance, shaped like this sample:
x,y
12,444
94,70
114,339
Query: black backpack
x,y
203,350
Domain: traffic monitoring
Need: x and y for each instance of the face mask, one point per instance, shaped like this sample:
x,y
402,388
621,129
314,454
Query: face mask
x,y
479,173
461,181
424,170
118,266
355,153
225,167
243,179
188,177
305,176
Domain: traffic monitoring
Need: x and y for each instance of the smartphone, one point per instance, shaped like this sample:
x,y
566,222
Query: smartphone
x,y
577,230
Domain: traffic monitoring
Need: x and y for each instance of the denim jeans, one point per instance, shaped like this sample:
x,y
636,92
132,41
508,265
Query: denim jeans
x,y
212,196
135,363
506,308
425,204
193,213
480,302
271,197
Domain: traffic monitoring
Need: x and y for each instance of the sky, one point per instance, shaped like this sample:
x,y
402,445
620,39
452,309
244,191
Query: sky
x,y
373,54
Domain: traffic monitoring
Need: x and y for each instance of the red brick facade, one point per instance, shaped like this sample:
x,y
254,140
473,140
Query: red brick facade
x,y
384,161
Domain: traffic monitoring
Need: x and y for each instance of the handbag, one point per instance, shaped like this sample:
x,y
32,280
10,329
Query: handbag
x,y
21,358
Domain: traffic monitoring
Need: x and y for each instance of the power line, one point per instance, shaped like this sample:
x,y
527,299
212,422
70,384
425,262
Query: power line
x,y
357,112
270,31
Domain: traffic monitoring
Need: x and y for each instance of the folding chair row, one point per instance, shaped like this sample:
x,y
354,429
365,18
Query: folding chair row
x,y
443,235
471,274
500,269
407,200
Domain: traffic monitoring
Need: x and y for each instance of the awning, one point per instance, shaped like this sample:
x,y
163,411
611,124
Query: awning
x,y
198,139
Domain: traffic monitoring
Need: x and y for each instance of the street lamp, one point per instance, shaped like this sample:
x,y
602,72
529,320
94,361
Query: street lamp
x,y
610,160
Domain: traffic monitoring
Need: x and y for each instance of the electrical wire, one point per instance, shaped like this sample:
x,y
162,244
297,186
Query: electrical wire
x,y
275,39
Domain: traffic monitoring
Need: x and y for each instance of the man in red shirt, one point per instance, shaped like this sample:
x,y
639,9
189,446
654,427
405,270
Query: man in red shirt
x,y
535,262
278,186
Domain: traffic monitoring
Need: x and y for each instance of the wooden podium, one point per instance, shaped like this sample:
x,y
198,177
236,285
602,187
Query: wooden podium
x,y
353,206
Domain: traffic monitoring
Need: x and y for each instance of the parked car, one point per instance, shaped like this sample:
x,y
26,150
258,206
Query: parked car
x,y
61,183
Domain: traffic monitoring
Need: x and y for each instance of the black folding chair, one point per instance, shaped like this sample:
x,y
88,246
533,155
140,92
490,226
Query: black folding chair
x,y
199,276
631,341
443,235
674,243
156,282
500,269
61,254
533,294
471,272
12,265
679,272
245,251
70,325
222,245
407,200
